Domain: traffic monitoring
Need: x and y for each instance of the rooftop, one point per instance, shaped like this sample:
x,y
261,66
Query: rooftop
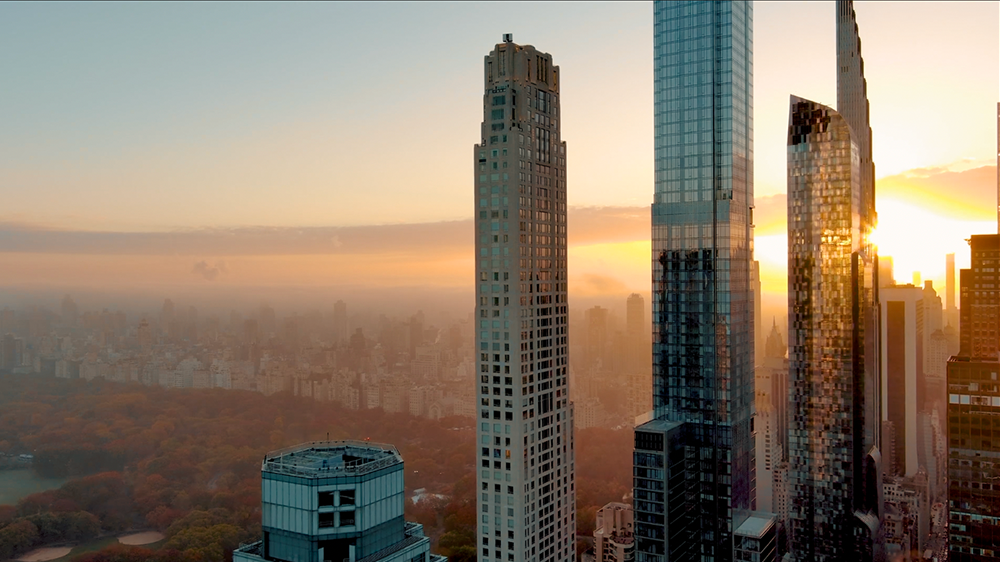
x,y
325,459
755,526
655,424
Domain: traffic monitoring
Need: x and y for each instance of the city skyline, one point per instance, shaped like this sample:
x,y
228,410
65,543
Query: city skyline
x,y
118,167
284,183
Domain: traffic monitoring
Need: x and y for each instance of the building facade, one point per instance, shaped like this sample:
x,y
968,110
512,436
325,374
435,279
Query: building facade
x,y
524,433
703,311
902,340
974,412
614,538
757,539
334,501
834,460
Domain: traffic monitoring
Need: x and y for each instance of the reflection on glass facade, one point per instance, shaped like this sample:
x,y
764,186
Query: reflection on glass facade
x,y
703,351
834,464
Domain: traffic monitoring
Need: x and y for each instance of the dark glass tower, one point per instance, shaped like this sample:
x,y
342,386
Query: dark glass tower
x,y
694,458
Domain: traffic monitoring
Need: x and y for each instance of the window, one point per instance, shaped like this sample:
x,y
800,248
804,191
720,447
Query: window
x,y
326,499
326,519
346,518
347,497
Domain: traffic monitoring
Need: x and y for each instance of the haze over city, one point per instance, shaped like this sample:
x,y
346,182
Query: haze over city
x,y
336,156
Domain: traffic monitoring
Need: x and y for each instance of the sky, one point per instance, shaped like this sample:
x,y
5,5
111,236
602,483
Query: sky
x,y
295,143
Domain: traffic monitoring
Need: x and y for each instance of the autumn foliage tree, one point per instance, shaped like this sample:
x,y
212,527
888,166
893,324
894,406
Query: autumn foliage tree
x,y
187,463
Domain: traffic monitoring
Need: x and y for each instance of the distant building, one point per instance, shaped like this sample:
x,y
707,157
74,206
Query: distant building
x,y
595,351
902,357
756,539
771,382
907,515
885,272
637,340
635,315
766,450
614,540
335,501
951,312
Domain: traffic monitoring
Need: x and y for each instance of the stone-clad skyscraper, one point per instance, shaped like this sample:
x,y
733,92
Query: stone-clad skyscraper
x,y
835,462
694,459
524,436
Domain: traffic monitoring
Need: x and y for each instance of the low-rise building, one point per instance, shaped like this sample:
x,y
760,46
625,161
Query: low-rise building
x,y
335,501
614,540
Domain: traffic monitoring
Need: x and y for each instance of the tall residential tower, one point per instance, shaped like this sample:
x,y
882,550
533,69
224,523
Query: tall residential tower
x,y
834,459
527,503
694,459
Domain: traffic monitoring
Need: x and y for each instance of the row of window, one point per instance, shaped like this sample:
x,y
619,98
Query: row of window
x,y
336,519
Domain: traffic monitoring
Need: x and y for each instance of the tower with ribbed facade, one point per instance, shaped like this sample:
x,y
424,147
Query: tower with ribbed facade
x,y
694,458
526,503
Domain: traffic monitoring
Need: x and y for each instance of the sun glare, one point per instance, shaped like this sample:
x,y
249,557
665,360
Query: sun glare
x,y
903,234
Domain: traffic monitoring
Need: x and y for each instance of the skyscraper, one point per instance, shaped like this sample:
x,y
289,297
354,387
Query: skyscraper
x,y
950,312
974,411
694,459
835,462
903,328
834,459
527,501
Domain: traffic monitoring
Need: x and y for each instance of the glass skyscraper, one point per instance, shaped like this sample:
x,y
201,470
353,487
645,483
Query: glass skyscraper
x,y
834,464
694,483
527,506
835,461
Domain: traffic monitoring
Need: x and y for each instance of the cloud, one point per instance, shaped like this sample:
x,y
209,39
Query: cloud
x,y
588,225
969,194
593,284
210,272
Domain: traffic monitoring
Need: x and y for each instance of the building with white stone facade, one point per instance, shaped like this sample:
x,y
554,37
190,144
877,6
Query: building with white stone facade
x,y
614,538
524,428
